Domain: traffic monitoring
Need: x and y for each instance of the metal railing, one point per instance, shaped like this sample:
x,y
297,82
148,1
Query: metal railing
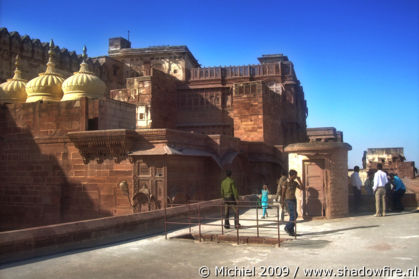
x,y
201,220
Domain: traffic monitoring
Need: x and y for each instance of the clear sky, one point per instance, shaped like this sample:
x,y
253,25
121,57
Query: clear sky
x,y
358,60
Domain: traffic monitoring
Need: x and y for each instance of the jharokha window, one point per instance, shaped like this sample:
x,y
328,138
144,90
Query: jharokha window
x,y
144,169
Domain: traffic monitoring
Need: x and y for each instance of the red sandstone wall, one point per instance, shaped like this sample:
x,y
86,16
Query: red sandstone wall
x,y
42,119
43,180
49,183
284,117
197,178
402,169
247,114
93,188
163,100
31,183
263,173
137,91
31,180
204,110
158,91
337,186
406,169
116,115
272,118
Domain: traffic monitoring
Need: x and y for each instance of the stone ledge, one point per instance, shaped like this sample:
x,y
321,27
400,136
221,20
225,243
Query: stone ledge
x,y
316,146
38,241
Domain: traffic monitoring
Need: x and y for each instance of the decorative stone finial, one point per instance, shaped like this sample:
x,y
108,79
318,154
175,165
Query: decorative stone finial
x,y
84,67
51,49
17,61
18,74
84,54
51,62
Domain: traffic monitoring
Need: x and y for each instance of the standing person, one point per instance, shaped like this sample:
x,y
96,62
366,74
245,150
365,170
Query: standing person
x,y
369,183
356,187
288,194
389,194
380,181
264,200
279,199
398,192
230,195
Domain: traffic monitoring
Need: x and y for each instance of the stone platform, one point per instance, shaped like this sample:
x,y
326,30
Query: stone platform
x,y
352,242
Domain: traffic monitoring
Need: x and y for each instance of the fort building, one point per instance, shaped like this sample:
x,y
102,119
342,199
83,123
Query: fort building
x,y
392,159
72,128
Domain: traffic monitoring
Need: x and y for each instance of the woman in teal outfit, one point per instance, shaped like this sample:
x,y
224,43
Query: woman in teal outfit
x,y
264,200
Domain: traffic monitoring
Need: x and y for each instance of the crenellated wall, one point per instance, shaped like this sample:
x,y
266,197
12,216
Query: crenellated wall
x,y
34,56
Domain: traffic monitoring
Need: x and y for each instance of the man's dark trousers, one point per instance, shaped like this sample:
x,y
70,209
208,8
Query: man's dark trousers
x,y
230,203
292,211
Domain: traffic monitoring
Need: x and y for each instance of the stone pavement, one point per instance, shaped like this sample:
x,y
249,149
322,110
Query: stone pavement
x,y
353,242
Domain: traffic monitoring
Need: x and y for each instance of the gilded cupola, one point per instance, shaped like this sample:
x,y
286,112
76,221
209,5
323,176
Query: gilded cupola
x,y
83,83
13,90
47,86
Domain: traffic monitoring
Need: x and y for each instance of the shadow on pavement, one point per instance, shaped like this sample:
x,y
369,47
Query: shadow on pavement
x,y
388,213
340,230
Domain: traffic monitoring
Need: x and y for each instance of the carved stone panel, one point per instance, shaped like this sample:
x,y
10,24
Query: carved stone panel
x,y
149,183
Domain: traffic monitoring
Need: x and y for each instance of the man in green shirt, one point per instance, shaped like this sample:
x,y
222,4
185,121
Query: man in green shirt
x,y
230,195
288,194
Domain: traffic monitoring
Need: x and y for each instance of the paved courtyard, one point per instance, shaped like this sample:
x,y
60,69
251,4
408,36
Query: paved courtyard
x,y
341,244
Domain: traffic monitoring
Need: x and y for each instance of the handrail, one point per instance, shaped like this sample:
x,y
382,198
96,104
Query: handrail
x,y
198,220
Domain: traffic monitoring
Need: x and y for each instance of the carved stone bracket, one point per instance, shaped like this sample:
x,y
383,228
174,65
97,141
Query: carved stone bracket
x,y
101,145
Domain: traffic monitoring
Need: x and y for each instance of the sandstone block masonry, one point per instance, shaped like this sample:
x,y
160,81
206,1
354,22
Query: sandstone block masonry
x,y
43,178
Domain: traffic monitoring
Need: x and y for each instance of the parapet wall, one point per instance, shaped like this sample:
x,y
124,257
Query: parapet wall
x,y
28,243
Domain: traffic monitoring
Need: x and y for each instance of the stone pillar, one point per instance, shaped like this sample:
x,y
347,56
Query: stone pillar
x,y
335,188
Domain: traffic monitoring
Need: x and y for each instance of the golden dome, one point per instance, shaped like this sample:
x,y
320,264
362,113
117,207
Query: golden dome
x,y
47,86
13,90
83,83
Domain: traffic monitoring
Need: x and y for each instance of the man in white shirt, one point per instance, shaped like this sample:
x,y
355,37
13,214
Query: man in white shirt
x,y
356,187
379,188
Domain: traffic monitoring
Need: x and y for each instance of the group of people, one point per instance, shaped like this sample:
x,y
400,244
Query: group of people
x,y
285,195
387,188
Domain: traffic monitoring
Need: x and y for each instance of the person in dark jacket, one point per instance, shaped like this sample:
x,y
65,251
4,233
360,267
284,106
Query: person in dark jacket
x,y
398,192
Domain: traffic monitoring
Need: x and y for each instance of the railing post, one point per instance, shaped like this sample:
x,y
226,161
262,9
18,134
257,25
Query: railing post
x,y
277,224
189,218
165,223
257,218
295,222
222,225
238,225
199,220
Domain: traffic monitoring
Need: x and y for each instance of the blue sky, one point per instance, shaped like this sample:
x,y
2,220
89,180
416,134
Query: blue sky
x,y
358,60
